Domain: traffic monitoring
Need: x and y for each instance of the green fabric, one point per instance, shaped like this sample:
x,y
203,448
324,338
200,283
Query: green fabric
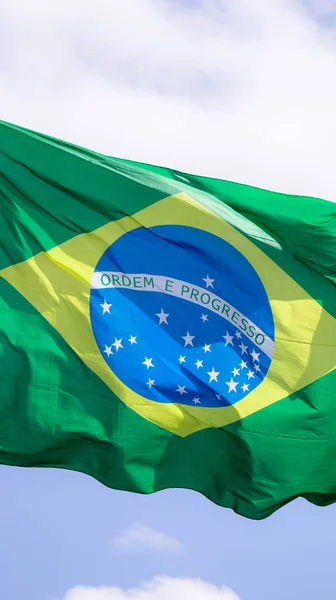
x,y
56,412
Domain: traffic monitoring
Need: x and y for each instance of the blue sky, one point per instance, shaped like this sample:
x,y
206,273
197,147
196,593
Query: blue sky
x,y
58,531
231,88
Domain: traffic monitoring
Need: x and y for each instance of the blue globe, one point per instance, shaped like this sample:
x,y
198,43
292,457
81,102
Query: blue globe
x,y
179,315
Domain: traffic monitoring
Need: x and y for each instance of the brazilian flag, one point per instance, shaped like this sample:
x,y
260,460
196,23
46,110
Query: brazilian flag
x,y
160,329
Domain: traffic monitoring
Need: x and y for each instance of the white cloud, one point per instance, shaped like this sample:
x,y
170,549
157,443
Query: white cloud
x,y
138,537
160,588
232,88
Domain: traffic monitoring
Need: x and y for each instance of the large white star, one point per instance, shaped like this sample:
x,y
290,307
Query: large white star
x,y
117,344
106,307
250,375
182,359
206,348
243,348
228,339
255,355
199,363
235,372
196,401
213,375
232,385
162,317
243,365
133,340
181,390
245,387
150,382
208,281
148,362
188,339
108,350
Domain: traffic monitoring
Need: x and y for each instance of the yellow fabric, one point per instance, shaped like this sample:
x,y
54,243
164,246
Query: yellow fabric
x,y
57,284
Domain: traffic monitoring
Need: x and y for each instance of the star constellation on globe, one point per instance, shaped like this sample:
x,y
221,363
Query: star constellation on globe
x,y
168,341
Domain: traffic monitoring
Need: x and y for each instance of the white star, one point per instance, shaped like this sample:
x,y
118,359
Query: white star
x,y
133,340
255,355
238,335
208,281
218,396
148,362
206,348
199,363
188,339
162,317
235,372
108,350
257,368
250,375
106,307
243,348
150,382
243,365
182,359
196,401
232,385
245,387
204,318
117,344
228,339
181,390
213,375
